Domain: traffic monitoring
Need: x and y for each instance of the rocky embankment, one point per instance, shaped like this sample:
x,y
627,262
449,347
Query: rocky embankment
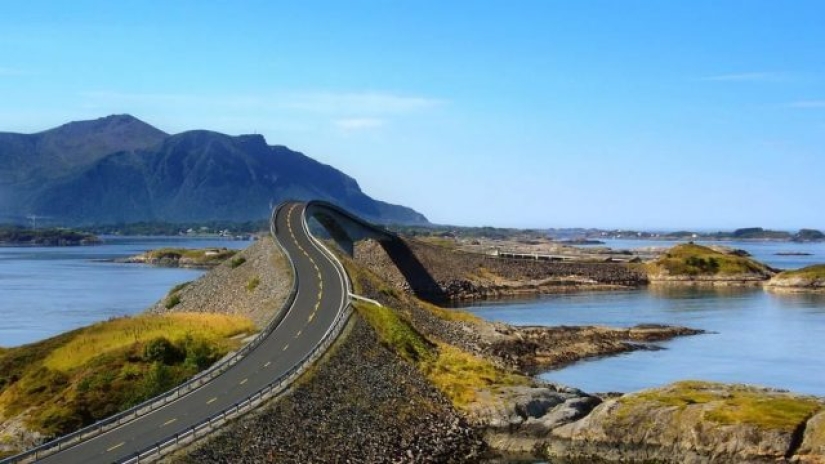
x,y
362,404
254,282
455,275
806,280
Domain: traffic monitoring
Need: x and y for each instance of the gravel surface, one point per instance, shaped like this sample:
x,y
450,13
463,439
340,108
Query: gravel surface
x,y
227,289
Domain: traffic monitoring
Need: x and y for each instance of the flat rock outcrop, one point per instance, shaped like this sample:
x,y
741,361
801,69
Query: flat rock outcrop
x,y
695,422
533,349
519,419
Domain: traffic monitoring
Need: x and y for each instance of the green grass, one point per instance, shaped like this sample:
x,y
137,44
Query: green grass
x,y
172,301
199,256
732,404
236,262
697,260
82,376
123,332
396,333
253,284
810,272
178,288
459,375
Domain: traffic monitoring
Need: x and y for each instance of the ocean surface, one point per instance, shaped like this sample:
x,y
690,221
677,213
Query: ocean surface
x,y
48,290
755,337
759,337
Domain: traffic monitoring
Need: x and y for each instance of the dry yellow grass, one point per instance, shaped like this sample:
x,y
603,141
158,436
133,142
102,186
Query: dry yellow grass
x,y
461,375
119,333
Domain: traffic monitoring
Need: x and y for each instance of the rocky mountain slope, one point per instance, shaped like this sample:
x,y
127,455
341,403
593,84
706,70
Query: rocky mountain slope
x,y
119,169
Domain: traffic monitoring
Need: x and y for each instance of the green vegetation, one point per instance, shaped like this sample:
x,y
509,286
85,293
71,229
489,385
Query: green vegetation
x,y
82,376
458,374
396,333
690,259
809,235
811,272
236,261
172,301
195,256
253,284
731,404
52,236
758,233
169,229
178,287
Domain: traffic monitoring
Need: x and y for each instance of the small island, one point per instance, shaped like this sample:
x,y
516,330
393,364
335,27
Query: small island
x,y
204,258
694,263
21,236
807,279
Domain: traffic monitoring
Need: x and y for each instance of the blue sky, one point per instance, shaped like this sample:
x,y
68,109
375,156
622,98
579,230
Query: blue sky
x,y
644,114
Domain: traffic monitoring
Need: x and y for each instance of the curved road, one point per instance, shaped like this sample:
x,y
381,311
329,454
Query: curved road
x,y
322,293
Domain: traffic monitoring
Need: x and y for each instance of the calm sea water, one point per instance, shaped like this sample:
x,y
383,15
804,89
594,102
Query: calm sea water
x,y
758,337
48,290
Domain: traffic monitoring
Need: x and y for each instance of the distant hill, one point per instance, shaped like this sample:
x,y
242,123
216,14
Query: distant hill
x,y
119,169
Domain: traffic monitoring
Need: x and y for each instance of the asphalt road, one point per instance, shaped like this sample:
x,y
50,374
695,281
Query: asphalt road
x,y
321,294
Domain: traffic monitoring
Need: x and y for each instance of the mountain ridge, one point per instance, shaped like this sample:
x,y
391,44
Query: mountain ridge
x,y
149,175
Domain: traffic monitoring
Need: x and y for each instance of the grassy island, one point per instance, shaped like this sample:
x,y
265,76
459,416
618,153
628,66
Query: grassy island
x,y
65,382
693,260
807,279
186,257
816,272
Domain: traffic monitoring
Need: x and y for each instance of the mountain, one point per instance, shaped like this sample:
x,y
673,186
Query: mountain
x,y
119,169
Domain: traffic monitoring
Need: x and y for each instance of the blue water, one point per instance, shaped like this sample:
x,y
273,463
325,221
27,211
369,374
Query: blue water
x,y
765,252
760,338
48,290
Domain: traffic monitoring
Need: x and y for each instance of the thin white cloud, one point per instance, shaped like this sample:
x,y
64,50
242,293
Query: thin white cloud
x,y
746,77
358,124
808,104
360,103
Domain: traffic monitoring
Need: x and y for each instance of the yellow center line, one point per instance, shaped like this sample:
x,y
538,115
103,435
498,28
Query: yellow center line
x,y
298,334
285,347
244,381
212,400
169,422
116,446
311,317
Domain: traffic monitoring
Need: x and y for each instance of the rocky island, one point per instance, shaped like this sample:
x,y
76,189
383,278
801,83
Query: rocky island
x,y
690,263
808,279
204,258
